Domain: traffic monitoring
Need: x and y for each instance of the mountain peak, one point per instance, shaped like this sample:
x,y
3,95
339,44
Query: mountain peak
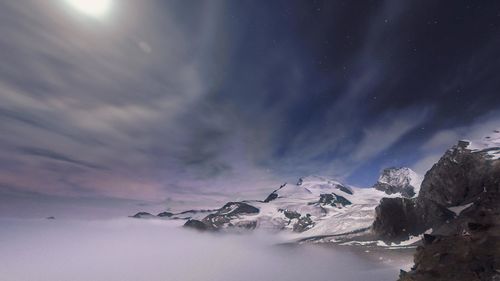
x,y
399,180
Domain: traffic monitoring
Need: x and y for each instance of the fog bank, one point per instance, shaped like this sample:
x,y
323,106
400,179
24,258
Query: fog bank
x,y
150,250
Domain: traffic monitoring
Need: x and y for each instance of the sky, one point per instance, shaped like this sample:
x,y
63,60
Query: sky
x,y
164,102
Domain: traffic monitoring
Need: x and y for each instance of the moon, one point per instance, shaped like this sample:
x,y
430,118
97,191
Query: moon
x,y
93,8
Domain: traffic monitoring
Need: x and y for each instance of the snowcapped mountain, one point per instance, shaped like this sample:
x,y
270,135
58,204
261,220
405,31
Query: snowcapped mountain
x,y
314,206
399,180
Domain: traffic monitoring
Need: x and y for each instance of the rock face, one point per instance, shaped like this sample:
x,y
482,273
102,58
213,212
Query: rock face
x,y
398,180
398,218
333,200
273,194
165,214
303,223
224,217
458,178
460,201
469,250
141,215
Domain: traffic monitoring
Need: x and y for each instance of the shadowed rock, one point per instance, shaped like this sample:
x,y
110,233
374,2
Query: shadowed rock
x,y
224,216
165,214
141,215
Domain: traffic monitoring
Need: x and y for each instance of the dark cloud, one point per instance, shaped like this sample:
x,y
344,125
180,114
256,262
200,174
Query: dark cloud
x,y
45,153
164,98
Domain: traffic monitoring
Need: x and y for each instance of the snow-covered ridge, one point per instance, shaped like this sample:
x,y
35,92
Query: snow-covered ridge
x,y
489,144
399,180
315,206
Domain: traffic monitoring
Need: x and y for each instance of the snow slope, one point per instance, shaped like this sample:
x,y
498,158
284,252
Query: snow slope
x,y
489,144
328,219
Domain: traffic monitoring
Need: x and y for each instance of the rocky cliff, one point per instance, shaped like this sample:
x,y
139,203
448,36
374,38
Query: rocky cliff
x,y
459,203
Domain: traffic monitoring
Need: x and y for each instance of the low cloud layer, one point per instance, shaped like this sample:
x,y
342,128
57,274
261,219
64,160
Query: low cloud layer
x,y
129,250
162,99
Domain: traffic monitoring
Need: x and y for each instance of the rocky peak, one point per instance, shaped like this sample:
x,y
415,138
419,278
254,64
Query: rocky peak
x,y
399,180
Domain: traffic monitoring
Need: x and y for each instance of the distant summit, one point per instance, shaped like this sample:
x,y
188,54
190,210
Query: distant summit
x,y
399,180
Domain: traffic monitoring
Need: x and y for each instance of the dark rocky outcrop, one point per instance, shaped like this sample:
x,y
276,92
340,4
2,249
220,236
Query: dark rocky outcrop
x,y
333,200
165,214
303,223
458,178
398,218
471,252
274,194
51,218
223,217
465,244
271,197
291,214
196,224
141,215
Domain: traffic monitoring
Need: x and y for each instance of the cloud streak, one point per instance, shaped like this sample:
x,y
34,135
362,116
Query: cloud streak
x,y
168,98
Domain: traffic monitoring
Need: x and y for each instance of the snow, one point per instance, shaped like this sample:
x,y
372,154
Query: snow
x,y
401,177
489,144
328,220
459,209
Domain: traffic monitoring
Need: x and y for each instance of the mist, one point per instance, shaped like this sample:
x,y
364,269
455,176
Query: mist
x,y
152,250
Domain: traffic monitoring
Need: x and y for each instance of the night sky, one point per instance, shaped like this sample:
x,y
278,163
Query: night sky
x,y
165,101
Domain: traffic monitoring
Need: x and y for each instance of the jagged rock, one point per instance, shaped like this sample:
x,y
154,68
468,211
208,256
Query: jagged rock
x,y
274,194
141,215
165,214
467,246
333,200
236,208
196,224
291,214
303,223
344,189
459,176
248,225
396,218
271,197
398,180
223,217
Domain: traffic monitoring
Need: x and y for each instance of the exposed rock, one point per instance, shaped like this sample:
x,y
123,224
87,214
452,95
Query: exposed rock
x,y
165,214
274,194
236,208
223,217
299,183
467,246
303,223
248,225
271,197
459,176
398,180
344,189
196,224
333,200
396,219
142,215
291,214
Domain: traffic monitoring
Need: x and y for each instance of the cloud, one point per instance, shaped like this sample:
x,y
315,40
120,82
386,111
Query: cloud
x,y
49,243
442,140
180,98
40,152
